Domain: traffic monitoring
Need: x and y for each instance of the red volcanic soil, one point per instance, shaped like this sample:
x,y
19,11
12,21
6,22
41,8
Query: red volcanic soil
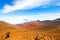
x,y
32,25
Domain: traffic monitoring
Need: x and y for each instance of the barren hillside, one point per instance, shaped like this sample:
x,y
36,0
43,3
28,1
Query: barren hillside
x,y
44,30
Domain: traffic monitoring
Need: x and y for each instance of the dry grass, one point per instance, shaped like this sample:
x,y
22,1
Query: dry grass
x,y
17,33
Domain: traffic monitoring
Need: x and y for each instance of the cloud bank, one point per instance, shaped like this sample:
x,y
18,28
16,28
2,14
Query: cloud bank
x,y
22,19
27,4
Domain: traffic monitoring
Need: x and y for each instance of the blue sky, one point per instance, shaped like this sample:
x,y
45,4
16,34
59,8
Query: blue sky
x,y
15,11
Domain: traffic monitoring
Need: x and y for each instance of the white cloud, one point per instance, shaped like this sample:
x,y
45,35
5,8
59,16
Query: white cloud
x,y
20,19
25,4
58,4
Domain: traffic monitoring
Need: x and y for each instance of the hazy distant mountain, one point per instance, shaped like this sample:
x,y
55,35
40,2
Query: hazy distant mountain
x,y
45,25
48,25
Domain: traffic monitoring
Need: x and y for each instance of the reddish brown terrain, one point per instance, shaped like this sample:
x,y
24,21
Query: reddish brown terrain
x,y
42,30
32,25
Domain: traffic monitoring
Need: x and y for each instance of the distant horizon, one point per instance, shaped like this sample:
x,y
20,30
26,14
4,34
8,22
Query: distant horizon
x,y
27,21
16,11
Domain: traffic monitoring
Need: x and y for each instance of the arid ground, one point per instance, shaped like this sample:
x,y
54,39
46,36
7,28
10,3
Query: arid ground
x,y
34,30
